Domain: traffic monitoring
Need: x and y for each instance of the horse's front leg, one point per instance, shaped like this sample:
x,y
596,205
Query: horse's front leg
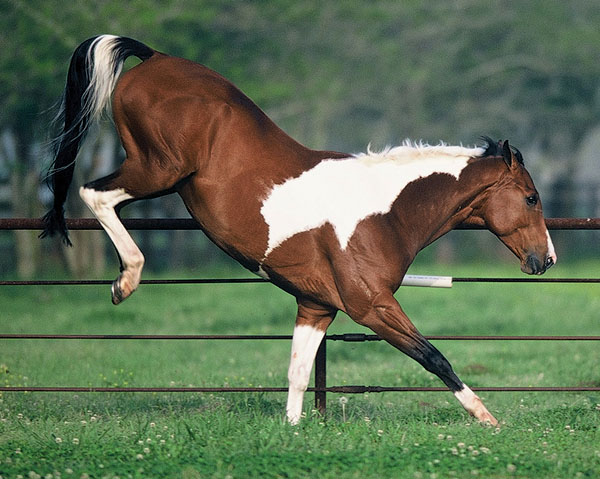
x,y
102,204
386,318
311,323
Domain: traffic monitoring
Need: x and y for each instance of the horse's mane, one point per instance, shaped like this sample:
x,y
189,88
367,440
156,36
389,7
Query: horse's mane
x,y
410,151
494,148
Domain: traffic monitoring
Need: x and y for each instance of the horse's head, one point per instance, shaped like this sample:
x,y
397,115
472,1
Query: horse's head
x,y
512,210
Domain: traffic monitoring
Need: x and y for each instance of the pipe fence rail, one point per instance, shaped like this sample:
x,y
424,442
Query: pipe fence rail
x,y
190,224
320,388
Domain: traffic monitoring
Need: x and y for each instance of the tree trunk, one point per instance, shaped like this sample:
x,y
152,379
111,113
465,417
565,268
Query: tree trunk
x,y
24,183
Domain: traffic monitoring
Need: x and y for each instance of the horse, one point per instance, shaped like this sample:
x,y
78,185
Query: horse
x,y
337,231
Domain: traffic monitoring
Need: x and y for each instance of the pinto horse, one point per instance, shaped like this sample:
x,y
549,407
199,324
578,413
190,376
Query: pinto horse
x,y
337,231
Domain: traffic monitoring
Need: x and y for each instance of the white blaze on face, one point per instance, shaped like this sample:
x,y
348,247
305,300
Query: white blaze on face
x,y
551,252
343,192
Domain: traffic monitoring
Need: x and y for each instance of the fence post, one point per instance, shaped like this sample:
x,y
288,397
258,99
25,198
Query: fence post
x,y
321,377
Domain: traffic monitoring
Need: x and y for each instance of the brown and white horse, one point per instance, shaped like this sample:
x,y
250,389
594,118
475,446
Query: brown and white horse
x,y
337,231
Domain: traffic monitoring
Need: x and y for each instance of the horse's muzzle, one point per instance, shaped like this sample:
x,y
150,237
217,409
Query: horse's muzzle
x,y
533,264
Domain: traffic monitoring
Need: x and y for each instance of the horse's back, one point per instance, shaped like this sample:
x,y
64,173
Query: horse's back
x,y
198,112
172,76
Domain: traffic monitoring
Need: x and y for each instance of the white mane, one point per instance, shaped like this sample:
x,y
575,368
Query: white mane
x,y
410,151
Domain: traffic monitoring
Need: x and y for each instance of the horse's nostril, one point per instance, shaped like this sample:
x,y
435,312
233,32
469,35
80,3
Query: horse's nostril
x,y
549,261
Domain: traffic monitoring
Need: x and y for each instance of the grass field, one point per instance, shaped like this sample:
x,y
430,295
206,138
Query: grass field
x,y
189,435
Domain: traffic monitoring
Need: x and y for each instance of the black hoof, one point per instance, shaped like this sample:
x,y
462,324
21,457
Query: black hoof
x,y
117,293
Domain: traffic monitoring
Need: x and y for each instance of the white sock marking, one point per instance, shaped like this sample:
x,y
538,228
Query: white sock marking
x,y
467,398
102,204
305,342
471,402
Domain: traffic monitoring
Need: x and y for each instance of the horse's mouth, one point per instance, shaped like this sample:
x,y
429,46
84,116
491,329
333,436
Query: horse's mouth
x,y
533,265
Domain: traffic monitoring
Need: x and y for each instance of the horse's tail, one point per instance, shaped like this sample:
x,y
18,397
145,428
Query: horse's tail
x,y
93,73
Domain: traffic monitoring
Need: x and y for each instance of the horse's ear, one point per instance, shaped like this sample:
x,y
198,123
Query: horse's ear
x,y
507,153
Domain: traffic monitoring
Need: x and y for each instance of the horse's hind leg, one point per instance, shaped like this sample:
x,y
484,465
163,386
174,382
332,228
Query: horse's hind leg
x,y
311,323
386,318
102,196
102,204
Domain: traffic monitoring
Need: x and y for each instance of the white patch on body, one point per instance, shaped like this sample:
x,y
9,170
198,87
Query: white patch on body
x,y
305,342
344,192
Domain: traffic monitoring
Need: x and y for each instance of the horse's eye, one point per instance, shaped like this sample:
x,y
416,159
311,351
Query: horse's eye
x,y
531,200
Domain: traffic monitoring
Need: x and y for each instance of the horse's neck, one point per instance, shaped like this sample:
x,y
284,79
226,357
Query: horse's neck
x,y
452,204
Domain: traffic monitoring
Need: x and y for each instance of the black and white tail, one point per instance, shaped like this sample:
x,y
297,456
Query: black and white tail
x,y
93,73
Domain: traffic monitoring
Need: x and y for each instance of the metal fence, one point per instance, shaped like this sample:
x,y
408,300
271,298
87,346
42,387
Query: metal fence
x,y
320,388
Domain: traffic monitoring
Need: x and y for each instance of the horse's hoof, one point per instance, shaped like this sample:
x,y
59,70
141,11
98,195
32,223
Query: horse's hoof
x,y
119,292
116,293
293,421
123,287
487,420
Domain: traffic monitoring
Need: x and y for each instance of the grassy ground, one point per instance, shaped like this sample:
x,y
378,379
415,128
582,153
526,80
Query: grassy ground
x,y
413,435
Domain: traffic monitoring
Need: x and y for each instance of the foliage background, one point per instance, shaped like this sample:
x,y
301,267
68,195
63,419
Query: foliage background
x,y
335,75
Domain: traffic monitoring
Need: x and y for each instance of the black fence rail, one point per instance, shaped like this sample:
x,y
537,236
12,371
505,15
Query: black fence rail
x,y
320,388
190,224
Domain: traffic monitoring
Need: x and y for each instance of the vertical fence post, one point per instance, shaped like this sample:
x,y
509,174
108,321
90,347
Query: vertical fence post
x,y
321,377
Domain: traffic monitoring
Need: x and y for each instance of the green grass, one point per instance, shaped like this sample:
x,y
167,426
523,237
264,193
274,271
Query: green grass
x,y
223,435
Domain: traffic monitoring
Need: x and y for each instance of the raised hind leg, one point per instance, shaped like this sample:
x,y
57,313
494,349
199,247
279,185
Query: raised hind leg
x,y
131,182
386,318
102,204
311,323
